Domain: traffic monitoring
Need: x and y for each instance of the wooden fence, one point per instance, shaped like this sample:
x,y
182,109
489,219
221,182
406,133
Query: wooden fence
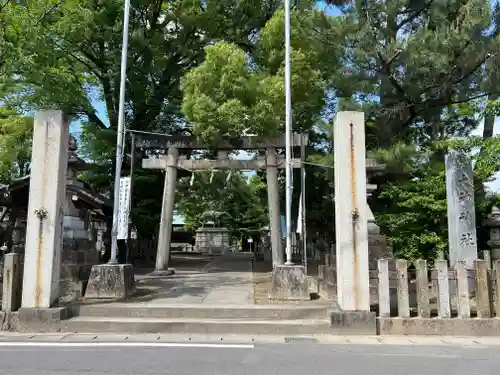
x,y
442,301
417,299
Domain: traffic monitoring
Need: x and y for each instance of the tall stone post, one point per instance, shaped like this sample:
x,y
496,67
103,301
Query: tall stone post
x,y
351,212
461,210
167,212
45,211
274,206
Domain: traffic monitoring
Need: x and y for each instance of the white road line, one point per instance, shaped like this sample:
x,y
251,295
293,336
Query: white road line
x,y
41,344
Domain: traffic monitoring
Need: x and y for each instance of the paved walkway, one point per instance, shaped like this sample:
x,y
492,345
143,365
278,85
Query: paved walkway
x,y
227,280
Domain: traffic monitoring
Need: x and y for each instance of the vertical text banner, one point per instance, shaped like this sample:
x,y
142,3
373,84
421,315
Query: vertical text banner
x,y
124,208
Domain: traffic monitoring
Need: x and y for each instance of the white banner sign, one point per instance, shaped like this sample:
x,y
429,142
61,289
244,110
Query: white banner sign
x,y
124,208
299,217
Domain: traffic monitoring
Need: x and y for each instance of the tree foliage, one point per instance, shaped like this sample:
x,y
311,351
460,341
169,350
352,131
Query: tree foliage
x,y
235,91
15,145
425,72
242,200
69,58
417,59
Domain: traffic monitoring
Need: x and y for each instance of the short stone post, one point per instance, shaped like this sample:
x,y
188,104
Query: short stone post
x,y
384,297
424,310
482,289
42,257
11,297
487,258
402,288
463,299
492,222
496,270
444,307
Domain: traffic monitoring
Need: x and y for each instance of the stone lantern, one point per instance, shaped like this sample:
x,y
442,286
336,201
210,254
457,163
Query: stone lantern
x,y
493,223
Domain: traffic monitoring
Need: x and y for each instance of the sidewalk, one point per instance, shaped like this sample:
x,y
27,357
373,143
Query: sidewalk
x,y
88,338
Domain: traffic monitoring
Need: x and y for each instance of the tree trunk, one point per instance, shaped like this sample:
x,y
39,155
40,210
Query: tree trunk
x,y
489,120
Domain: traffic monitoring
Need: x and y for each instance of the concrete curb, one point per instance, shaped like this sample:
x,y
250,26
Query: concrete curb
x,y
472,342
439,326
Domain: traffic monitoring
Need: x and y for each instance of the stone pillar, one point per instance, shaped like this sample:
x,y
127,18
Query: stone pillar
x,y
351,212
492,222
44,218
461,211
167,212
274,206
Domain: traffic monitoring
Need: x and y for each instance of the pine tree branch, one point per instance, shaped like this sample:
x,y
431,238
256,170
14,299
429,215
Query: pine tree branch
x,y
415,15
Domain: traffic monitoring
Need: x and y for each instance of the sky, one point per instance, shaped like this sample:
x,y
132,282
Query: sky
x,y
330,9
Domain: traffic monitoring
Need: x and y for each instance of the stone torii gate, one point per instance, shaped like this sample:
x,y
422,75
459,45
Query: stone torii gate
x,y
173,160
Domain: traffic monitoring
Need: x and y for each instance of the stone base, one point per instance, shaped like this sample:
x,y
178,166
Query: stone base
x,y
439,327
289,283
353,322
43,315
39,319
9,321
111,281
161,273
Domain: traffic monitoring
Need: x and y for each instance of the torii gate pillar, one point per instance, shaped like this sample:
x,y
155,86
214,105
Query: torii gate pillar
x,y
167,215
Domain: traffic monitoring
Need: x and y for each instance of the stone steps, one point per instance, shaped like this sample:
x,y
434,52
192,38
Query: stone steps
x,y
292,319
250,312
86,324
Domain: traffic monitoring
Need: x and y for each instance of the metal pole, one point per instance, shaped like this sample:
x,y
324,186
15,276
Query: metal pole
x,y
119,135
303,201
288,131
132,180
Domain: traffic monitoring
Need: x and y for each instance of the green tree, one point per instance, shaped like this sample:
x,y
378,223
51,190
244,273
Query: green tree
x,y
416,58
421,71
243,200
240,90
412,205
235,91
69,56
15,145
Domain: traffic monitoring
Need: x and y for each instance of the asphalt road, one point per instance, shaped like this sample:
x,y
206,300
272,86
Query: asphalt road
x,y
265,359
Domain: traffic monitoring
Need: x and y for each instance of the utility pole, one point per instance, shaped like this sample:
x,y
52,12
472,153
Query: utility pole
x,y
119,136
288,135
